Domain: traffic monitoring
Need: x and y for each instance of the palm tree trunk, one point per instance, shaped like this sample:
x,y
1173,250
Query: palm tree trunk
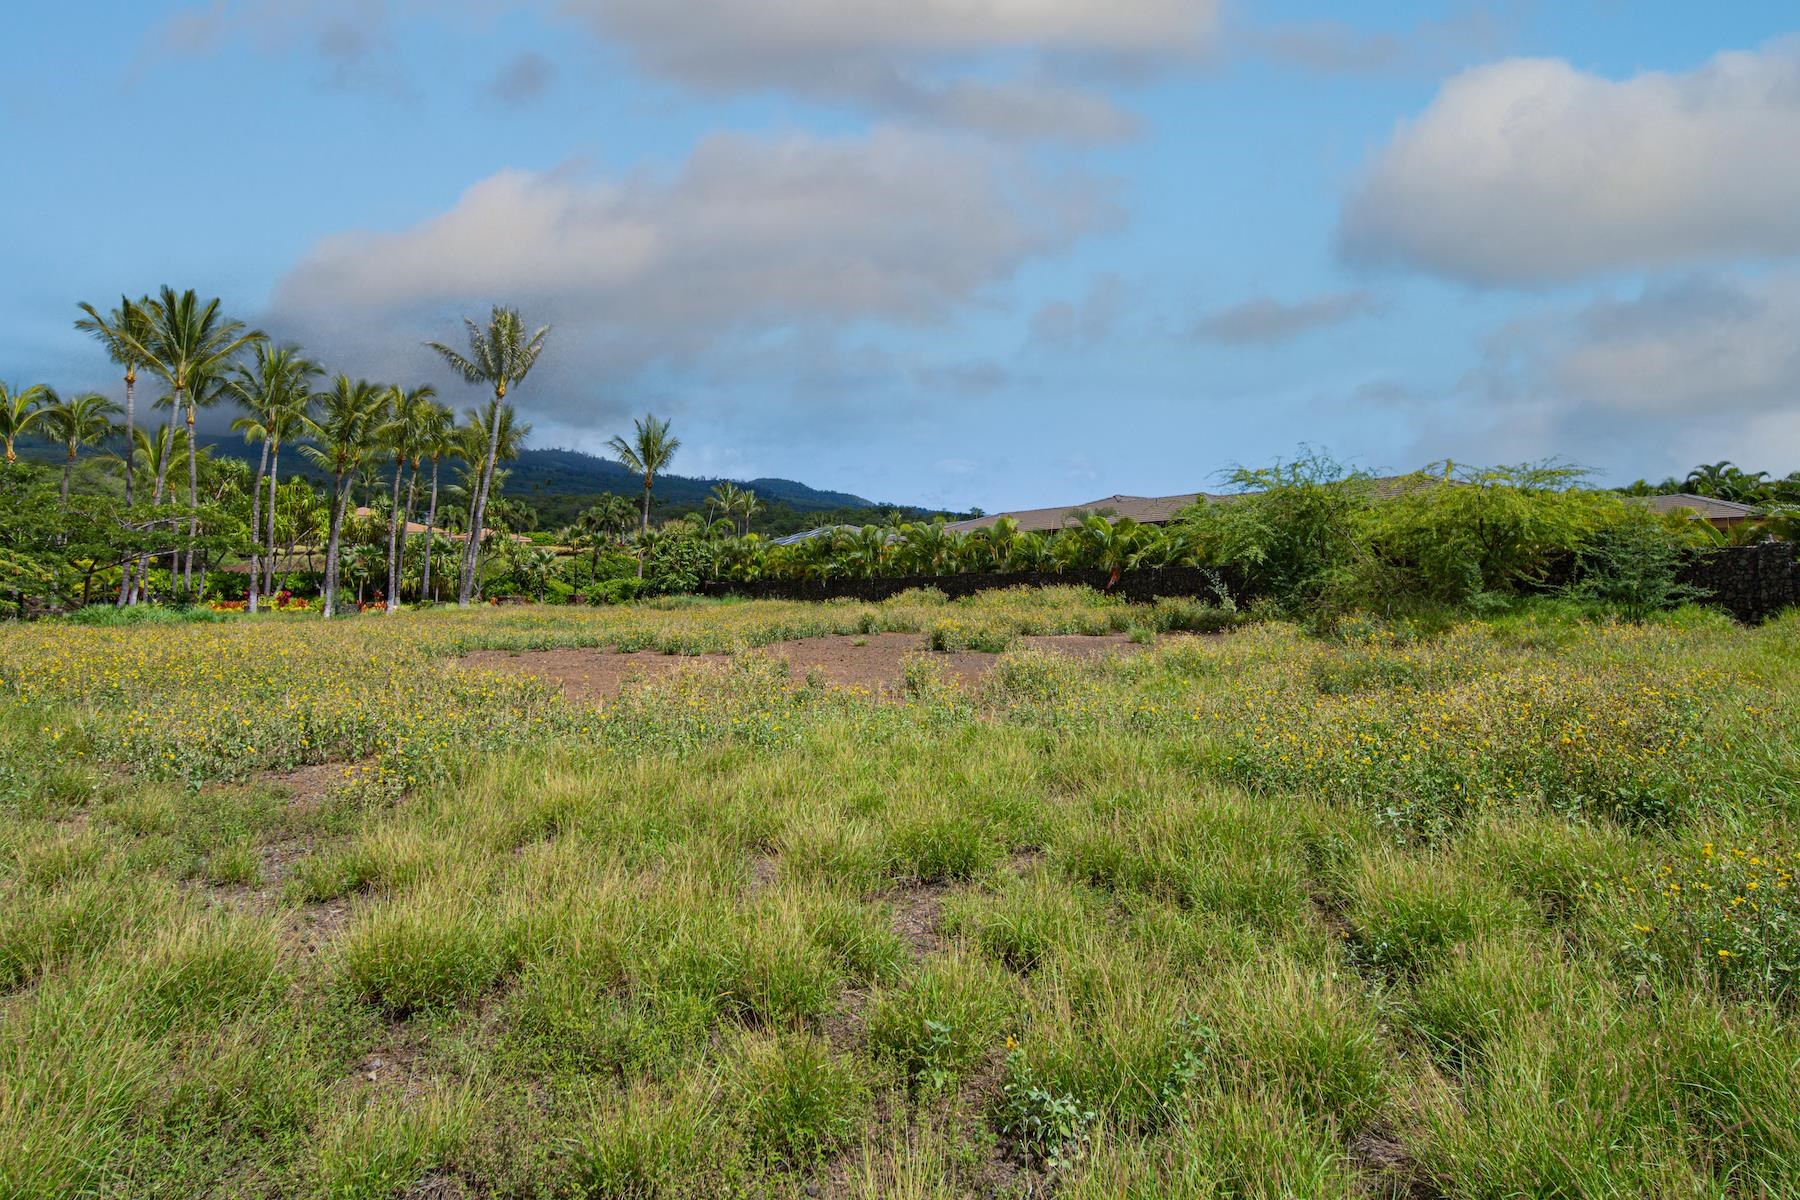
x,y
644,528
393,587
187,571
167,441
130,426
274,470
430,533
472,552
68,466
256,526
339,494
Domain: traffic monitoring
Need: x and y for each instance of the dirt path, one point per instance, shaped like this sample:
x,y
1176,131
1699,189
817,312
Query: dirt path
x,y
874,662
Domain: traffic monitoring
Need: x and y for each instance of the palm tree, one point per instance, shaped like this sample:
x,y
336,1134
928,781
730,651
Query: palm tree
x,y
437,441
84,420
724,498
400,434
749,506
183,341
344,433
500,355
650,450
275,390
20,409
482,452
123,332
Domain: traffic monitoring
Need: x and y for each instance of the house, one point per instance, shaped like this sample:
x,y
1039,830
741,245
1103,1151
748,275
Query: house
x,y
1145,510
1154,510
1720,514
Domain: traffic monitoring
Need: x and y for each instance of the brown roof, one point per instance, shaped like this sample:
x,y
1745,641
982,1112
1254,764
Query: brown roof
x,y
1702,508
1149,510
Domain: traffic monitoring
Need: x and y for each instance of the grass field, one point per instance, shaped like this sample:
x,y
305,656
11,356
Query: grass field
x,y
1506,910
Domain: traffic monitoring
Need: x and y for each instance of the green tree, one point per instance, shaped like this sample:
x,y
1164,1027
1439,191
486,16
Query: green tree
x,y
500,355
84,420
344,435
20,409
123,332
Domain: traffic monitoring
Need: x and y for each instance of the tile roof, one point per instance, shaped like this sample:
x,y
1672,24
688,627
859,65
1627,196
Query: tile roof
x,y
1704,508
1152,510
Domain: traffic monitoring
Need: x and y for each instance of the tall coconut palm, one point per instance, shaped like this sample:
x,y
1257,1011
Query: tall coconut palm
x,y
500,355
400,435
274,390
344,433
123,332
183,341
20,409
492,436
650,450
84,420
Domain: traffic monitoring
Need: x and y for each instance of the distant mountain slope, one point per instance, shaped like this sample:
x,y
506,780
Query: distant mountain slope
x,y
541,475
572,473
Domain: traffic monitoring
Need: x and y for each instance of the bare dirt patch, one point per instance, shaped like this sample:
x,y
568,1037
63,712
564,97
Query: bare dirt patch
x,y
873,662
918,917
305,786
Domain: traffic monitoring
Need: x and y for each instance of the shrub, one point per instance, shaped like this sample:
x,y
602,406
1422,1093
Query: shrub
x,y
1633,566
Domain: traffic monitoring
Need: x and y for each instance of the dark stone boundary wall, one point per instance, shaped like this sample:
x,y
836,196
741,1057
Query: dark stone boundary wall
x,y
1137,586
1752,583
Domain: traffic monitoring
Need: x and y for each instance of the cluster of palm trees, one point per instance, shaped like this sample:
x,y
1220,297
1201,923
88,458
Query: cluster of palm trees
x,y
344,426
72,424
1091,541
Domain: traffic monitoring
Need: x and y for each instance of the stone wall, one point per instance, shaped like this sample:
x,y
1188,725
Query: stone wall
x,y
1752,583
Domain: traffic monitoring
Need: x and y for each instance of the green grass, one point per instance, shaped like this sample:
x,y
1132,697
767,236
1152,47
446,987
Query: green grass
x,y
1494,909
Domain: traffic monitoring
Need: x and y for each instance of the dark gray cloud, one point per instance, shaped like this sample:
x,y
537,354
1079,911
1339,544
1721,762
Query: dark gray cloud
x,y
935,62
1082,324
1529,170
1431,45
353,41
1263,320
526,78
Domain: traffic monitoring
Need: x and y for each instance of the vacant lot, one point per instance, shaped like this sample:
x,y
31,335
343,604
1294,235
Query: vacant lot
x,y
410,906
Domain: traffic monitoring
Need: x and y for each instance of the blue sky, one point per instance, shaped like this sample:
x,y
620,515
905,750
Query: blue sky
x,y
993,252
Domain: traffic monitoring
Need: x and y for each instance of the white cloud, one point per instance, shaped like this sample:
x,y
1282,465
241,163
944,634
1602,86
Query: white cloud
x,y
1262,320
1685,370
1529,170
748,245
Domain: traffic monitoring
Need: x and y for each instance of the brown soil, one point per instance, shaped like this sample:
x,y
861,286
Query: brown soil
x,y
874,662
